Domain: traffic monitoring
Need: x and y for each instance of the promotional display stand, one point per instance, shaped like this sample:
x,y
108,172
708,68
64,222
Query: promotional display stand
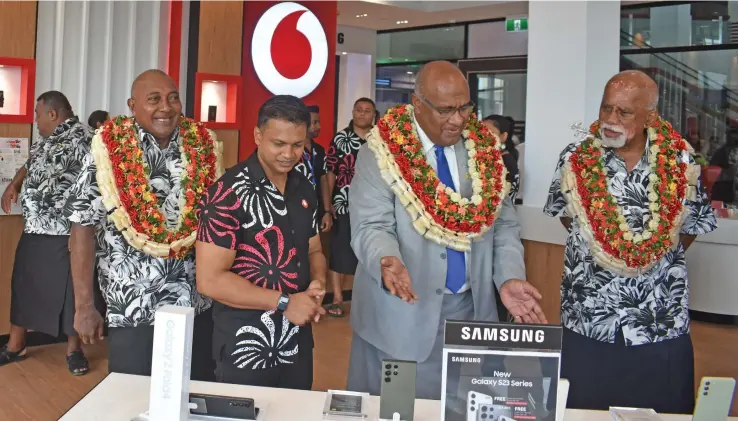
x,y
500,372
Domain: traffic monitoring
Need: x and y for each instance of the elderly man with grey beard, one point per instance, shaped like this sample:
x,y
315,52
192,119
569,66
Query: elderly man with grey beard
x,y
631,197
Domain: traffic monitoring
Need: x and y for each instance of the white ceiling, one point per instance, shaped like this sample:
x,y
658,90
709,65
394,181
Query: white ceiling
x,y
384,14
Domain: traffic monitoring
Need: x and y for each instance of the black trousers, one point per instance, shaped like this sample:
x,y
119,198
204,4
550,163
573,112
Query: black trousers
x,y
658,375
131,349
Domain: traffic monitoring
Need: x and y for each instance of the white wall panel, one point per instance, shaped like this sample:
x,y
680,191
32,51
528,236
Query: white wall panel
x,y
91,51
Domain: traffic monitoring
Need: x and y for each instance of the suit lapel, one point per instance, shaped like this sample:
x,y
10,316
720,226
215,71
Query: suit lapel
x,y
462,158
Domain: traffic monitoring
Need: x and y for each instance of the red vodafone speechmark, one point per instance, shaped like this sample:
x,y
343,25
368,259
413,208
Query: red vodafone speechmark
x,y
289,50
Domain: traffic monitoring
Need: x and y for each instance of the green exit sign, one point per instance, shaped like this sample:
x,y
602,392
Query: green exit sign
x,y
516,24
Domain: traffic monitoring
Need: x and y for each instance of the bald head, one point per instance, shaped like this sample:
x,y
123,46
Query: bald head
x,y
155,103
441,102
636,80
628,107
438,72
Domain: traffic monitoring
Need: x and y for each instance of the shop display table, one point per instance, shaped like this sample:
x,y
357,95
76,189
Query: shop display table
x,y
122,397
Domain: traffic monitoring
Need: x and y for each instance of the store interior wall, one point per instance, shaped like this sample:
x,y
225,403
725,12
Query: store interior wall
x,y
92,51
357,70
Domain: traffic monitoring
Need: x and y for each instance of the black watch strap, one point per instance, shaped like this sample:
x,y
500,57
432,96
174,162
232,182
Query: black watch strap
x,y
284,299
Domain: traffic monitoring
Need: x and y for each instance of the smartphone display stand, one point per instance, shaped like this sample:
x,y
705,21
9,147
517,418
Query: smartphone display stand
x,y
341,405
197,417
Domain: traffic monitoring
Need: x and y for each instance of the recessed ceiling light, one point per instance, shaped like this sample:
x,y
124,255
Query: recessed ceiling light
x,y
400,22
362,15
409,73
344,53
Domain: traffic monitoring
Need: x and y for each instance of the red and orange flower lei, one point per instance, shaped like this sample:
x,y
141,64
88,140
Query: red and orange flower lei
x,y
123,179
613,244
439,213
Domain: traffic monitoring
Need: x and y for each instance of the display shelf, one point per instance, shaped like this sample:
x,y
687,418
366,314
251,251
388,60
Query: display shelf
x,y
18,88
218,100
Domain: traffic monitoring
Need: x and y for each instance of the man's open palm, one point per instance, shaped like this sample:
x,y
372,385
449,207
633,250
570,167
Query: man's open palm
x,y
397,279
522,301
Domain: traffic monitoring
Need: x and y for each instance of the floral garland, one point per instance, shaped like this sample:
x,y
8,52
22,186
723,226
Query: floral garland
x,y
614,245
438,212
123,179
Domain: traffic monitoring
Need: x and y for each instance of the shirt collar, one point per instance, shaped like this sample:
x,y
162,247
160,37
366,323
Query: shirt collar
x,y
257,171
148,138
64,126
424,139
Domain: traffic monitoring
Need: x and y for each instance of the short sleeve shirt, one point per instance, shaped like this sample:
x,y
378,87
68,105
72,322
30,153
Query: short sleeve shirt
x,y
135,284
270,232
52,168
596,302
341,160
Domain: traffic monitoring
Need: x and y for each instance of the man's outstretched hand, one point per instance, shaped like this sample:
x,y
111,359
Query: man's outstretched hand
x,y
397,280
522,301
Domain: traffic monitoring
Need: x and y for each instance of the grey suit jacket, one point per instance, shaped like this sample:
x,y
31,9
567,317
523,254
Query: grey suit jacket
x,y
380,227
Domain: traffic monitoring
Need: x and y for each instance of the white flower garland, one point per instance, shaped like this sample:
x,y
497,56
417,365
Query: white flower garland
x,y
576,208
423,222
117,213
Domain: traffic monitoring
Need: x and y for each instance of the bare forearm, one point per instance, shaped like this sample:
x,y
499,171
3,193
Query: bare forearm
x,y
325,191
19,177
82,244
234,291
687,240
328,187
318,267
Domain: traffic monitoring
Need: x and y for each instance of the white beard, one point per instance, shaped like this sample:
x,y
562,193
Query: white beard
x,y
613,142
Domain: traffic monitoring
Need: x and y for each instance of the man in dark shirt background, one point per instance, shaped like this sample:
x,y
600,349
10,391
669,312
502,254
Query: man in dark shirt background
x,y
312,166
260,259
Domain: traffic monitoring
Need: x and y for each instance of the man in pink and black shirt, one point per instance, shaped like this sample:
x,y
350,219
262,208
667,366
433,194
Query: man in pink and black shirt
x,y
260,259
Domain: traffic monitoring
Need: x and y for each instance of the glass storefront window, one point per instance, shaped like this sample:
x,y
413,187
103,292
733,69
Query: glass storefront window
x,y
681,25
395,85
421,45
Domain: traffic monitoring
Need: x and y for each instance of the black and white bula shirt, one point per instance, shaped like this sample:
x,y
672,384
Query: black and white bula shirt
x,y
596,302
53,166
135,284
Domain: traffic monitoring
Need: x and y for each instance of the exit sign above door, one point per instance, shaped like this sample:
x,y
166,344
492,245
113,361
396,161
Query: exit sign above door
x,y
516,24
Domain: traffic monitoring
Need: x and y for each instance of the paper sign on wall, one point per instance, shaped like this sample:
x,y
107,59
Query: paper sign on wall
x,y
13,155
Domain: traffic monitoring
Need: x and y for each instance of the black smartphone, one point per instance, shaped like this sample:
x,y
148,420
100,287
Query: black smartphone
x,y
397,393
223,406
212,112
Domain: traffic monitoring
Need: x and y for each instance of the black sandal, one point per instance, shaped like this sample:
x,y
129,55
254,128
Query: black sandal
x,y
77,363
7,356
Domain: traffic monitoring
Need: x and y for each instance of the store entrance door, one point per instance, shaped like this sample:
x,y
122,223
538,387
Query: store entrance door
x,y
498,86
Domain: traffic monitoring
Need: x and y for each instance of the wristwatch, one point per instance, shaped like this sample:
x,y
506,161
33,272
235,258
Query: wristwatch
x,y
284,299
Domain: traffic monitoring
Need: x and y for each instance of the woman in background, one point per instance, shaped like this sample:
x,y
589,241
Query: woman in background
x,y
503,128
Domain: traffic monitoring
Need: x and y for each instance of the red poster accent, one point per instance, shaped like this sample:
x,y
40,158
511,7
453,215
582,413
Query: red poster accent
x,y
291,54
174,40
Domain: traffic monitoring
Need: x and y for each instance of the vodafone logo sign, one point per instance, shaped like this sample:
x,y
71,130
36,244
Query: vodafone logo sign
x,y
289,50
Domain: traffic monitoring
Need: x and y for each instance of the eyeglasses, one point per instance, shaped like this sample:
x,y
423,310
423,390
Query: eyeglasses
x,y
446,112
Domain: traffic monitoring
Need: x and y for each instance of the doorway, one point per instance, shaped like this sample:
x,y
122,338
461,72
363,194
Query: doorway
x,y
498,86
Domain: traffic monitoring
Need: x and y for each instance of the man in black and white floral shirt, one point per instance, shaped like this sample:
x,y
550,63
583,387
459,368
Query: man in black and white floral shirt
x,y
626,333
136,284
42,290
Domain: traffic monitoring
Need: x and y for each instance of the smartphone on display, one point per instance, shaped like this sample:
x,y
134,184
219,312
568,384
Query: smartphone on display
x,y
223,406
714,398
473,401
397,393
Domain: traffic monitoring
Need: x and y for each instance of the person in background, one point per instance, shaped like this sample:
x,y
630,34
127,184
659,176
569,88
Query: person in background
x,y
726,157
502,127
312,166
137,280
628,322
340,163
259,257
97,119
42,291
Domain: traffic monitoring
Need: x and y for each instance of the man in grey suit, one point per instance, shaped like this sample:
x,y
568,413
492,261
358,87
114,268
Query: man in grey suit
x,y
407,286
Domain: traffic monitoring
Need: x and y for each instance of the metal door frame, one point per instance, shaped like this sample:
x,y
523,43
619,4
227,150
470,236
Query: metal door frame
x,y
499,65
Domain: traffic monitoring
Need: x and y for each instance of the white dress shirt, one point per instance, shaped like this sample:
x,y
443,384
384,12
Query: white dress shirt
x,y
430,158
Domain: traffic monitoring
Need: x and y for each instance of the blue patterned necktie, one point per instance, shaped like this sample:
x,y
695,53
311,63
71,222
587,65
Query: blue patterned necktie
x,y
456,270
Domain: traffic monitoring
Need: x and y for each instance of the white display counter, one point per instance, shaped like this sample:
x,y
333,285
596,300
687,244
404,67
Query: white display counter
x,y
711,261
122,397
